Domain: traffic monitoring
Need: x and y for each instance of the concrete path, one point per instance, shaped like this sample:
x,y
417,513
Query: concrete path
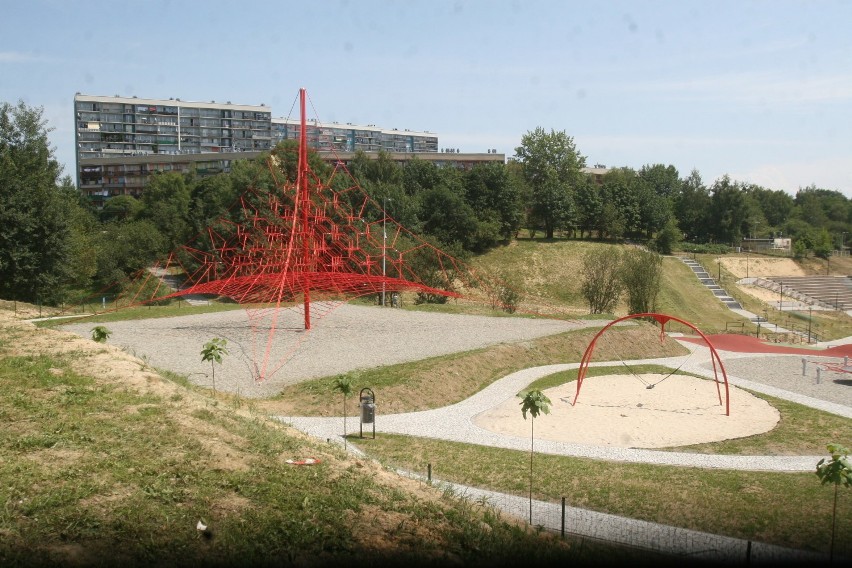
x,y
455,422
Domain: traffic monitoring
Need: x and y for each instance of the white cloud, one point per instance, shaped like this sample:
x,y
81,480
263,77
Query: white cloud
x,y
826,173
643,142
757,88
18,57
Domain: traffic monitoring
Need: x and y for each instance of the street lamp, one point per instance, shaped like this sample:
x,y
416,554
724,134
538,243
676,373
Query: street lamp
x,y
810,319
384,245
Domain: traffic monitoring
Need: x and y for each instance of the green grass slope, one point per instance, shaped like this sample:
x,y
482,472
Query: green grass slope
x,y
550,273
105,462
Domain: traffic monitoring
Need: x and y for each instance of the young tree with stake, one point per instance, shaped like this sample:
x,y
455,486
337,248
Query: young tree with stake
x,y
344,385
838,471
213,352
534,402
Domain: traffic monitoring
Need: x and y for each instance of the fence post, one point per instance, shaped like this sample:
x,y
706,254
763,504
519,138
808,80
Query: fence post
x,y
818,372
804,366
429,472
563,517
748,553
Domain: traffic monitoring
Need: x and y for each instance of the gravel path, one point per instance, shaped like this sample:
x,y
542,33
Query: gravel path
x,y
455,422
346,338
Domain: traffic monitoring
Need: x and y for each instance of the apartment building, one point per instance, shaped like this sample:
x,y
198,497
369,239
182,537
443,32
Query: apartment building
x,y
336,137
122,141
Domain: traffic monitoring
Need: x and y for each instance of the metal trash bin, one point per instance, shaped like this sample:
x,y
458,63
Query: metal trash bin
x,y
368,412
368,409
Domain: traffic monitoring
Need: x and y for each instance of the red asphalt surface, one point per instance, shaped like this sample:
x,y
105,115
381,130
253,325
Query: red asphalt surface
x,y
748,344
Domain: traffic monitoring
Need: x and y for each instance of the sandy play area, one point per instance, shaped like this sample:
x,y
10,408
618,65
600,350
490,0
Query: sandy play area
x,y
619,411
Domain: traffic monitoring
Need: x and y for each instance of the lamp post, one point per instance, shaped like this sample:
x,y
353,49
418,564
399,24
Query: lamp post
x,y
384,245
810,319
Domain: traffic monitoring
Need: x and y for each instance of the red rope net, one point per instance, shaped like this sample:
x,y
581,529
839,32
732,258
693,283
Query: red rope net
x,y
309,245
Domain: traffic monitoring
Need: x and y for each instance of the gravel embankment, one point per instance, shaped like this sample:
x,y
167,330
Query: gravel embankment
x,y
349,337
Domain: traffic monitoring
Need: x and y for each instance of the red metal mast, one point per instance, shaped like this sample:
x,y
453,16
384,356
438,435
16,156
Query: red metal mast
x,y
304,204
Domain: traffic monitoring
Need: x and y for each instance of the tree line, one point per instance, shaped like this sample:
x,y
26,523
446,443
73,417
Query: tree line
x,y
54,245
656,205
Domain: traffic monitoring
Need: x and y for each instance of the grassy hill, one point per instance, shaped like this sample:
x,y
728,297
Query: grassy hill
x,y
549,273
104,461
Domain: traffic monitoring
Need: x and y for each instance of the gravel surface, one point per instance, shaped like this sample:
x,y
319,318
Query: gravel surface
x,y
785,372
343,338
455,422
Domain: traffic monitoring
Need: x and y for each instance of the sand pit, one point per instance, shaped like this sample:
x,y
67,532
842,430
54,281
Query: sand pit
x,y
619,411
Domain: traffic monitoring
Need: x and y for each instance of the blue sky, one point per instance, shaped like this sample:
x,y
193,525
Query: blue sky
x,y
761,91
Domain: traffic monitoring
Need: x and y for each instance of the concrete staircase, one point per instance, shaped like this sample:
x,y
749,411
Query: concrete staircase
x,y
732,304
711,284
176,283
827,292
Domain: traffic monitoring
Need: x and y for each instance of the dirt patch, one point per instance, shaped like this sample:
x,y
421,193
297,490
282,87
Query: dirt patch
x,y
757,266
762,294
56,458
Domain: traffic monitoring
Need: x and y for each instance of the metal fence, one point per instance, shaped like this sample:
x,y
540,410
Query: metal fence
x,y
557,516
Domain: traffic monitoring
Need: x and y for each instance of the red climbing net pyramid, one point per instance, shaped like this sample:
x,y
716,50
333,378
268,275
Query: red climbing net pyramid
x,y
309,246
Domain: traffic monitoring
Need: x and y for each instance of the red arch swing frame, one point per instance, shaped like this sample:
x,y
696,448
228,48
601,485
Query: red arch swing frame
x,y
662,319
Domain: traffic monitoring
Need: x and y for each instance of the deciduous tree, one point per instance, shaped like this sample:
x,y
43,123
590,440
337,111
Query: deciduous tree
x,y
692,208
602,283
728,211
535,402
213,351
551,167
838,471
35,228
166,205
641,272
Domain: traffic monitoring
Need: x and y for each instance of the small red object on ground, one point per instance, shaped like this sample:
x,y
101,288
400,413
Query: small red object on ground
x,y
304,461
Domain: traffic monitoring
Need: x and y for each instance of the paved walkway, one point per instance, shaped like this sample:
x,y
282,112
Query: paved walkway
x,y
455,423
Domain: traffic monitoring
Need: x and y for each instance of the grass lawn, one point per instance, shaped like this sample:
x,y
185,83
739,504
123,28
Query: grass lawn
x,y
146,312
787,509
